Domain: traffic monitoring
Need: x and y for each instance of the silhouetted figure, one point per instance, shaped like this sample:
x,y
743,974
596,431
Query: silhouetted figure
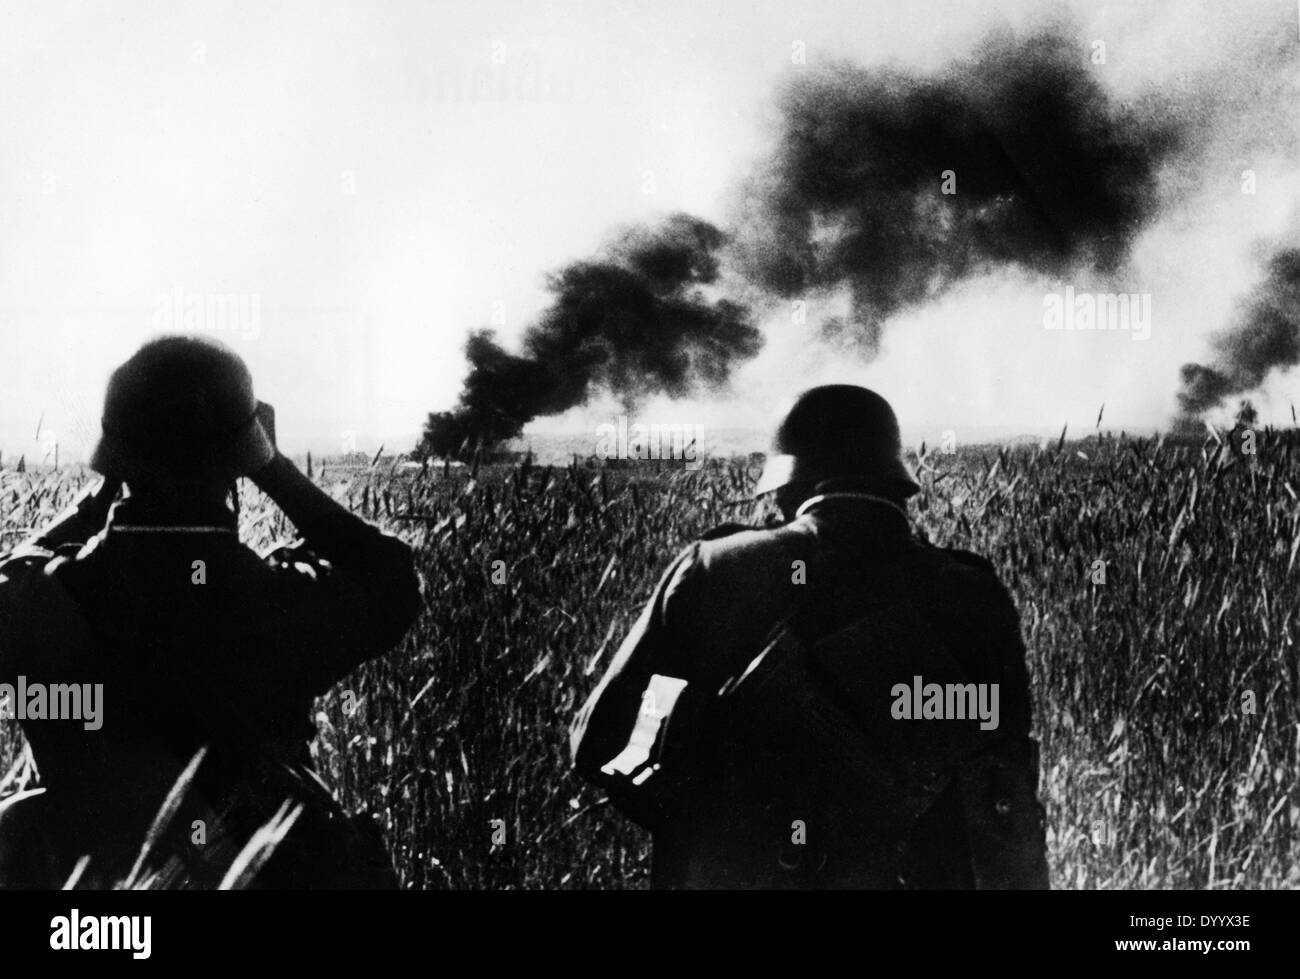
x,y
806,749
198,641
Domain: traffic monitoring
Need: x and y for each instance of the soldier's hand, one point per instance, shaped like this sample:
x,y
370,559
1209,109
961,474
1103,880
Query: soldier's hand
x,y
266,418
94,502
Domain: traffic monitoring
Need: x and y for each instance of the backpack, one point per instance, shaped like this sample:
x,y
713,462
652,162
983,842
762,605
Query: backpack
x,y
805,728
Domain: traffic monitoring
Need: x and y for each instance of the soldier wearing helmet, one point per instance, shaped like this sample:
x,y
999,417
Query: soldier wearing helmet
x,y
204,649
779,762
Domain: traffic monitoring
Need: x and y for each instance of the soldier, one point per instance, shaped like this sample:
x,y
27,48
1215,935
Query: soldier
x,y
806,766
199,642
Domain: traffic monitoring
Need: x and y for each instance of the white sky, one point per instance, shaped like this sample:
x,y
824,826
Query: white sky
x,y
379,185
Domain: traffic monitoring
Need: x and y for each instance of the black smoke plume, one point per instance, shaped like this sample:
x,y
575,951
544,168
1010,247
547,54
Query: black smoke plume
x,y
1051,175
1266,335
638,320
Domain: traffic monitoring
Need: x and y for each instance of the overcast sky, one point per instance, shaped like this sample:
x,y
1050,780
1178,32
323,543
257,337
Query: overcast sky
x,y
373,180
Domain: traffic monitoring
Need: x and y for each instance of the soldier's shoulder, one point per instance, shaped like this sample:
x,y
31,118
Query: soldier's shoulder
x,y
737,551
730,564
737,539
725,530
964,563
718,543
969,559
727,545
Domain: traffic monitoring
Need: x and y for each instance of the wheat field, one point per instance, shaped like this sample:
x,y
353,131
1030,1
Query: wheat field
x,y
1155,579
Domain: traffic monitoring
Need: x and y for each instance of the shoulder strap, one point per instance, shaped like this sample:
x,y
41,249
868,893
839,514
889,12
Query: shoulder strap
x,y
814,658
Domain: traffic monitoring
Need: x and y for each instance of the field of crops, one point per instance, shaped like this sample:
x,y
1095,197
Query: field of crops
x,y
1157,588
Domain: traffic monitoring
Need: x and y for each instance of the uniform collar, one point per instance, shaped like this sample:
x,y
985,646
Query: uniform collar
x,y
137,516
865,498
875,514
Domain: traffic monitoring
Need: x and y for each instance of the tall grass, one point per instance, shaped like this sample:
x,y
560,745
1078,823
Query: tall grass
x,y
1154,772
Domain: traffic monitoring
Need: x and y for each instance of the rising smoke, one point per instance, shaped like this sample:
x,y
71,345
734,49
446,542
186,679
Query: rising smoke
x,y
1266,335
890,186
897,185
638,320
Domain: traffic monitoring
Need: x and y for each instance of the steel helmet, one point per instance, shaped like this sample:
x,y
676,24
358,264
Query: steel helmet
x,y
181,407
838,431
